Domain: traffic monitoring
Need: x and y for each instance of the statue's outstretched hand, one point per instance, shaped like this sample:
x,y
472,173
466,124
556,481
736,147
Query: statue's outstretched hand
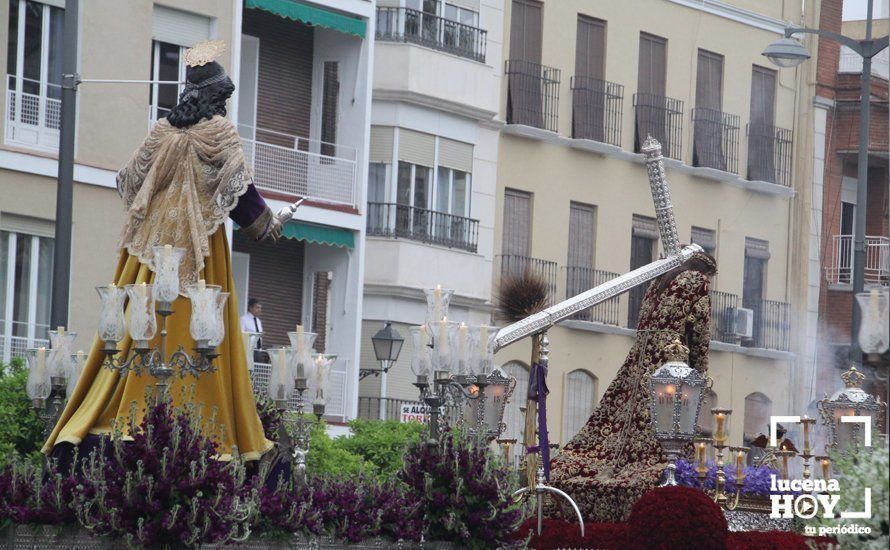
x,y
275,229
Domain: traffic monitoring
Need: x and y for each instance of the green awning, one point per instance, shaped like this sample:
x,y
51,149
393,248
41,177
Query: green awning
x,y
319,234
311,15
330,236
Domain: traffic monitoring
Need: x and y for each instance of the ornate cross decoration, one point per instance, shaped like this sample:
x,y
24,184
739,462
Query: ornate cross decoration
x,y
674,256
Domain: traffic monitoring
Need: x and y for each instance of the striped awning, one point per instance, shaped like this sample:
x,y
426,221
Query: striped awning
x,y
297,10
320,234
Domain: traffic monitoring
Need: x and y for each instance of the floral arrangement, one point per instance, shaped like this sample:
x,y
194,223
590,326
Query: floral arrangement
x,y
757,479
868,468
164,486
29,494
674,517
466,495
347,509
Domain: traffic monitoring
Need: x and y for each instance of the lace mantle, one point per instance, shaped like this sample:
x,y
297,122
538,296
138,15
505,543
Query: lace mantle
x,y
178,187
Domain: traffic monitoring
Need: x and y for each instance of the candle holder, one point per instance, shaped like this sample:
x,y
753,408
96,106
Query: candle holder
x,y
47,393
785,455
718,442
205,325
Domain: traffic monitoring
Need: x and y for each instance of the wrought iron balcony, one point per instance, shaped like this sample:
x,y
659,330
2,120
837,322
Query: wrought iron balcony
x,y
715,142
596,109
772,325
723,309
580,279
299,167
662,118
399,221
769,154
432,31
839,267
513,265
532,94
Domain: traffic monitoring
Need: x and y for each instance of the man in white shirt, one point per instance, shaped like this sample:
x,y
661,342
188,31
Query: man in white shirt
x,y
251,322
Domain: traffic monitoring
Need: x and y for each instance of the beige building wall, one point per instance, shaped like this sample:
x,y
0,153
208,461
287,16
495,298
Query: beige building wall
x,y
556,170
112,121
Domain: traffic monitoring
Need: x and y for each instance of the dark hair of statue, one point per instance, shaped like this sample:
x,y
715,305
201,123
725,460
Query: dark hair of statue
x,y
694,263
201,103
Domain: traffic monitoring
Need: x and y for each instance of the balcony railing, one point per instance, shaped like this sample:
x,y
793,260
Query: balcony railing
x,y
723,308
839,268
581,279
32,116
772,325
769,154
662,118
300,167
596,109
432,31
532,94
516,266
418,224
715,142
336,401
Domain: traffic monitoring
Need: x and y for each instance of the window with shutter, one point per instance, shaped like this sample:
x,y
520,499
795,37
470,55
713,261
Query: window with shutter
x,y
517,223
761,129
525,99
525,30
756,257
321,307
708,118
705,238
588,87
578,402
644,237
651,104
582,226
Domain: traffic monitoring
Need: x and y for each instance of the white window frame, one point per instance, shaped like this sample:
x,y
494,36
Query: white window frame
x,y
9,290
155,70
450,184
46,138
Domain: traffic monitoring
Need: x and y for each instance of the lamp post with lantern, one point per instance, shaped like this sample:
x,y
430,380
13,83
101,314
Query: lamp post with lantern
x,y
387,344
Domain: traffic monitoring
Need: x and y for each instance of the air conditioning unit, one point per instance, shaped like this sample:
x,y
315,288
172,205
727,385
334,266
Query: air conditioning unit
x,y
743,322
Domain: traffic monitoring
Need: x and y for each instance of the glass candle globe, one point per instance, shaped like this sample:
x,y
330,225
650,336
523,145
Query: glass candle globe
x,y
78,361
38,385
165,265
421,356
302,342
874,331
111,316
219,320
143,324
281,377
62,342
204,299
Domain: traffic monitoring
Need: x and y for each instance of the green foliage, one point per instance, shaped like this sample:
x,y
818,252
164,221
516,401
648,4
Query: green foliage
x,y
20,427
868,468
380,443
326,457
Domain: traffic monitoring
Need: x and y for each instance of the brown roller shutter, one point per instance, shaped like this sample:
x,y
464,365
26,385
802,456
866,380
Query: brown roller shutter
x,y
590,48
525,31
651,71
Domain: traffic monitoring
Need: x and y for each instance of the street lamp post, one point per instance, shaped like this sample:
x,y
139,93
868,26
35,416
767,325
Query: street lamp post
x,y
788,52
387,346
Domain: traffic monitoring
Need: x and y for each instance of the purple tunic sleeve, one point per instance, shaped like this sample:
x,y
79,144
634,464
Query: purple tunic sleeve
x,y
250,207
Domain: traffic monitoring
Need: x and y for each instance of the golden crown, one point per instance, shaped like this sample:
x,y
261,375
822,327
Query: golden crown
x,y
676,351
853,378
203,53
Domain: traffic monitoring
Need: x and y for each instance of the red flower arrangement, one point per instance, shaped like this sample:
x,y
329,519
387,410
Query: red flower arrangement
x,y
557,533
676,517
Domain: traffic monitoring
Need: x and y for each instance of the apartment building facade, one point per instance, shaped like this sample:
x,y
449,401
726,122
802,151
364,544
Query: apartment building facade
x,y
837,110
584,84
302,71
432,175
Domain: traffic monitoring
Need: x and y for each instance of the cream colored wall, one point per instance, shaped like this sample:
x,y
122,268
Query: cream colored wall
x,y
557,174
98,216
